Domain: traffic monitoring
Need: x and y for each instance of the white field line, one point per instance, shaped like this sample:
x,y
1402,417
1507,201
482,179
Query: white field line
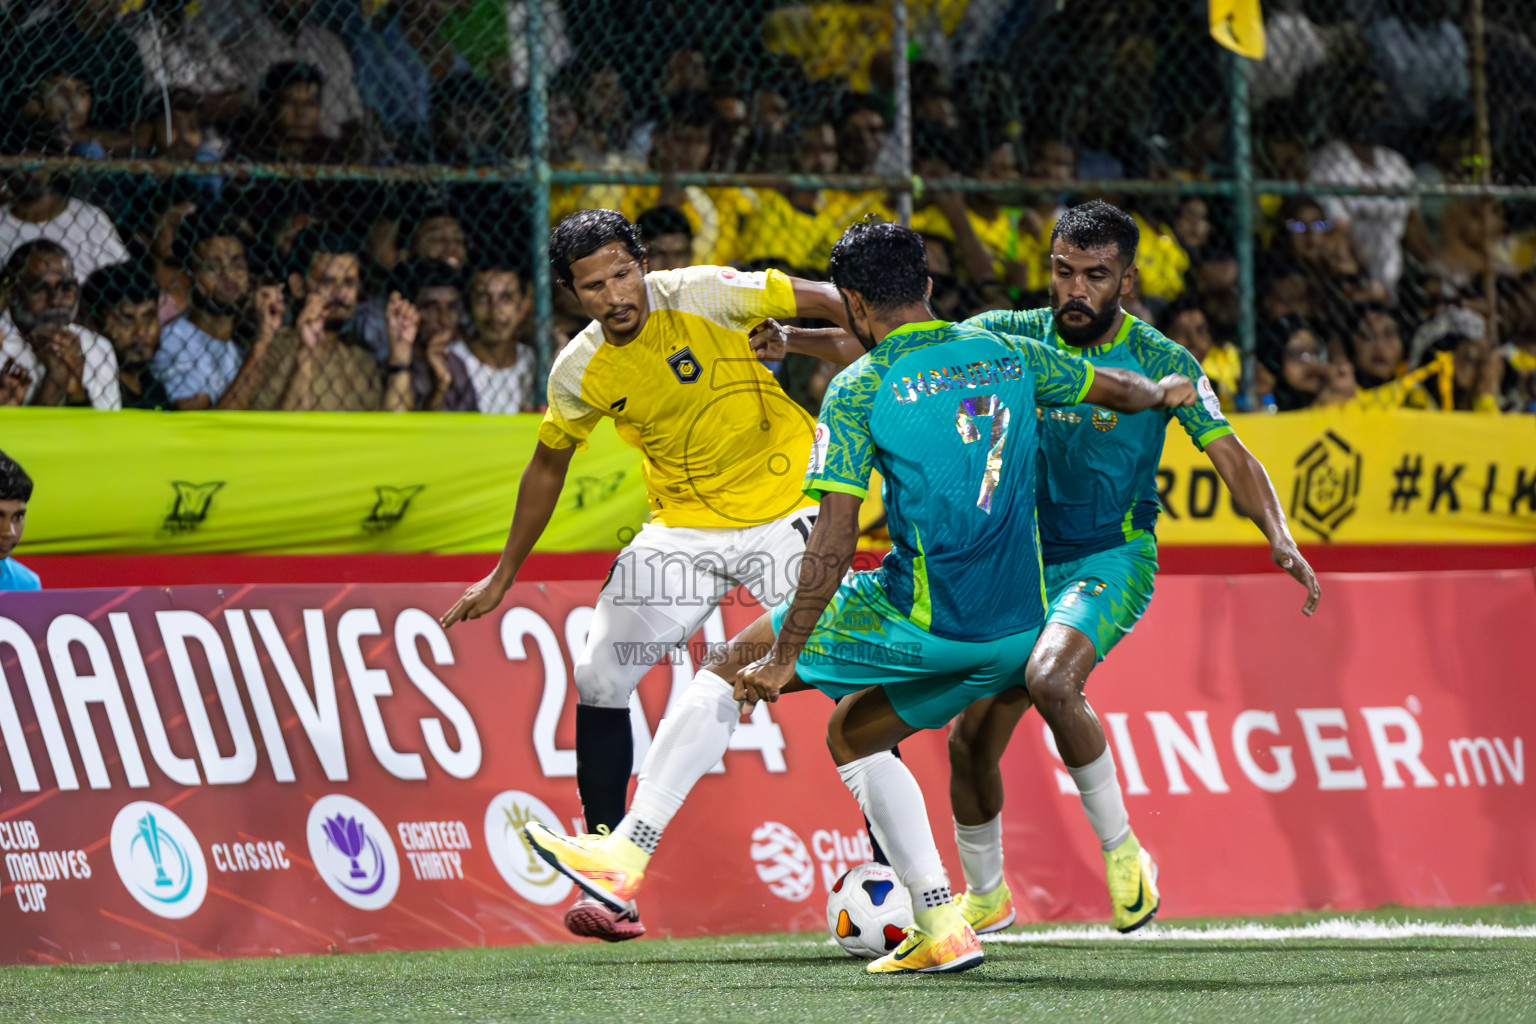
x,y
1338,928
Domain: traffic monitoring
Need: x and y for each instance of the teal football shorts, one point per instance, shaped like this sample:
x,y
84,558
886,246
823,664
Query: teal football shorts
x,y
1103,594
861,640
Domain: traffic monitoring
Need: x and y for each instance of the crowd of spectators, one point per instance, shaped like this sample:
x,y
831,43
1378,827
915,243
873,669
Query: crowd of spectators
x,y
272,291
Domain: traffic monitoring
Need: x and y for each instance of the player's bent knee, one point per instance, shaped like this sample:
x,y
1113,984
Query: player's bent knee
x,y
1054,689
602,682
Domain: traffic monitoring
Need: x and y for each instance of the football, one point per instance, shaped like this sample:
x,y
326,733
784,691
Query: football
x,y
868,911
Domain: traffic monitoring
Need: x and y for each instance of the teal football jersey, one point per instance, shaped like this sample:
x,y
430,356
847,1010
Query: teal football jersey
x,y
946,413
1098,473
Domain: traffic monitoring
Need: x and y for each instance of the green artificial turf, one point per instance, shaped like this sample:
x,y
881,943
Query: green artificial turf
x,y
783,978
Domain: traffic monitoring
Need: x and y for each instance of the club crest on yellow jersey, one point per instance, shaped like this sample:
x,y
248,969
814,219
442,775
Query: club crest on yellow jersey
x,y
684,366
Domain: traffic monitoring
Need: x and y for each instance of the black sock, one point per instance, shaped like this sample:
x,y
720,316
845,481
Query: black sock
x,y
605,753
874,843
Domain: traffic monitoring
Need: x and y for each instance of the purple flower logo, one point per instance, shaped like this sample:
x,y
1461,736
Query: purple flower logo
x,y
352,841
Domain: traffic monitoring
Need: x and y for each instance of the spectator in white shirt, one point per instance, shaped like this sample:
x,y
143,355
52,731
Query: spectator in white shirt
x,y
502,366
67,364
38,209
1380,226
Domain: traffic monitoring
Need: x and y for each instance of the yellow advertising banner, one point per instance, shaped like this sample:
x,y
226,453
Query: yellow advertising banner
x,y
202,482
1365,477
164,483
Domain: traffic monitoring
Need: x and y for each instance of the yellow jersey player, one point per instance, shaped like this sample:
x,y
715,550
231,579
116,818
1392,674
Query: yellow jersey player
x,y
666,358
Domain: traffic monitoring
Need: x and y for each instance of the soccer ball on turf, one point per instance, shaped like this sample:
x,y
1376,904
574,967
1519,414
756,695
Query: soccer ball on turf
x,y
868,911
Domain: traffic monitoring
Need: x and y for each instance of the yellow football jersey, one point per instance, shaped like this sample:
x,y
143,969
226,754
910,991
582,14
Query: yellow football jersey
x,y
723,445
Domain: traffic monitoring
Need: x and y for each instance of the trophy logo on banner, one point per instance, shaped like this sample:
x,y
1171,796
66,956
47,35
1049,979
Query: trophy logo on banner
x,y
526,872
159,860
353,852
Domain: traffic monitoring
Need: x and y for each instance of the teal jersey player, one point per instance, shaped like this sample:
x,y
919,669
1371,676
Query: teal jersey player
x,y
1098,480
946,414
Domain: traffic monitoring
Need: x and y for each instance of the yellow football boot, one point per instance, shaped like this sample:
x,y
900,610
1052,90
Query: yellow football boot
x,y
987,912
609,868
1132,884
956,949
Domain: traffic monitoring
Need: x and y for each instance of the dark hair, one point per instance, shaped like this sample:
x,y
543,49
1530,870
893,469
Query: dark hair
x,y
111,285
692,109
24,252
1095,223
885,263
314,240
586,231
413,219
1275,334
853,102
281,76
662,220
204,224
417,275
15,485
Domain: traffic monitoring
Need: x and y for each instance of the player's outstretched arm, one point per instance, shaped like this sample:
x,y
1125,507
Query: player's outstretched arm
x,y
537,494
770,340
1126,391
1255,497
828,553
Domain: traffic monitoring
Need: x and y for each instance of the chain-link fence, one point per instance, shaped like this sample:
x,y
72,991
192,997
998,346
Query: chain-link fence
x,y
344,204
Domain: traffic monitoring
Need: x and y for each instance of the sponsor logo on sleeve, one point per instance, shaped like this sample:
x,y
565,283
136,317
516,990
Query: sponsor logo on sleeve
x,y
1208,397
741,279
819,441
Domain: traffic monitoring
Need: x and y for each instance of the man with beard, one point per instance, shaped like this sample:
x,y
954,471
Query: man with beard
x,y
122,302
1098,511
67,364
318,363
202,364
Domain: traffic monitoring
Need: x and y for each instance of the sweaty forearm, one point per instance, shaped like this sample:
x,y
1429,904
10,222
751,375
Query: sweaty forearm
x,y
1123,390
828,554
833,344
1253,495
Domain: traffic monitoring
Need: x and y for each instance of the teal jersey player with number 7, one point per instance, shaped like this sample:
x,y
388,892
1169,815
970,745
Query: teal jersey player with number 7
x,y
947,413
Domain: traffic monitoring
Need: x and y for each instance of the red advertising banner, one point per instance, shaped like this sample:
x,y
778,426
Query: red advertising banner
x,y
207,772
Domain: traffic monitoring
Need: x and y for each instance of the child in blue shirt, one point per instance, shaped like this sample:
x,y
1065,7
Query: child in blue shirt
x,y
15,492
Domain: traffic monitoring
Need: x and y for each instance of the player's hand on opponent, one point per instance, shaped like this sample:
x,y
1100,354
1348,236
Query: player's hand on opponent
x,y
479,599
769,341
764,679
1288,557
1177,391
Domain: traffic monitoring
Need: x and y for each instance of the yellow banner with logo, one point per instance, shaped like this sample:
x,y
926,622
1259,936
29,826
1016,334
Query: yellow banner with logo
x,y
172,483
1365,477
167,483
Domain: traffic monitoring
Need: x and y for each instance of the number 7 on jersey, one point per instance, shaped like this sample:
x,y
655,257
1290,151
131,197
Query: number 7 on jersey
x,y
965,422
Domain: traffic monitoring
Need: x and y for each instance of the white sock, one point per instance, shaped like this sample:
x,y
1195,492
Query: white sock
x,y
981,855
688,743
1099,787
893,802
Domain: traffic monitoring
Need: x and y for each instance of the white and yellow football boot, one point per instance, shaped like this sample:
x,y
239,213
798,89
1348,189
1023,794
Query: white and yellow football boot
x,y
987,912
609,868
951,946
1132,880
